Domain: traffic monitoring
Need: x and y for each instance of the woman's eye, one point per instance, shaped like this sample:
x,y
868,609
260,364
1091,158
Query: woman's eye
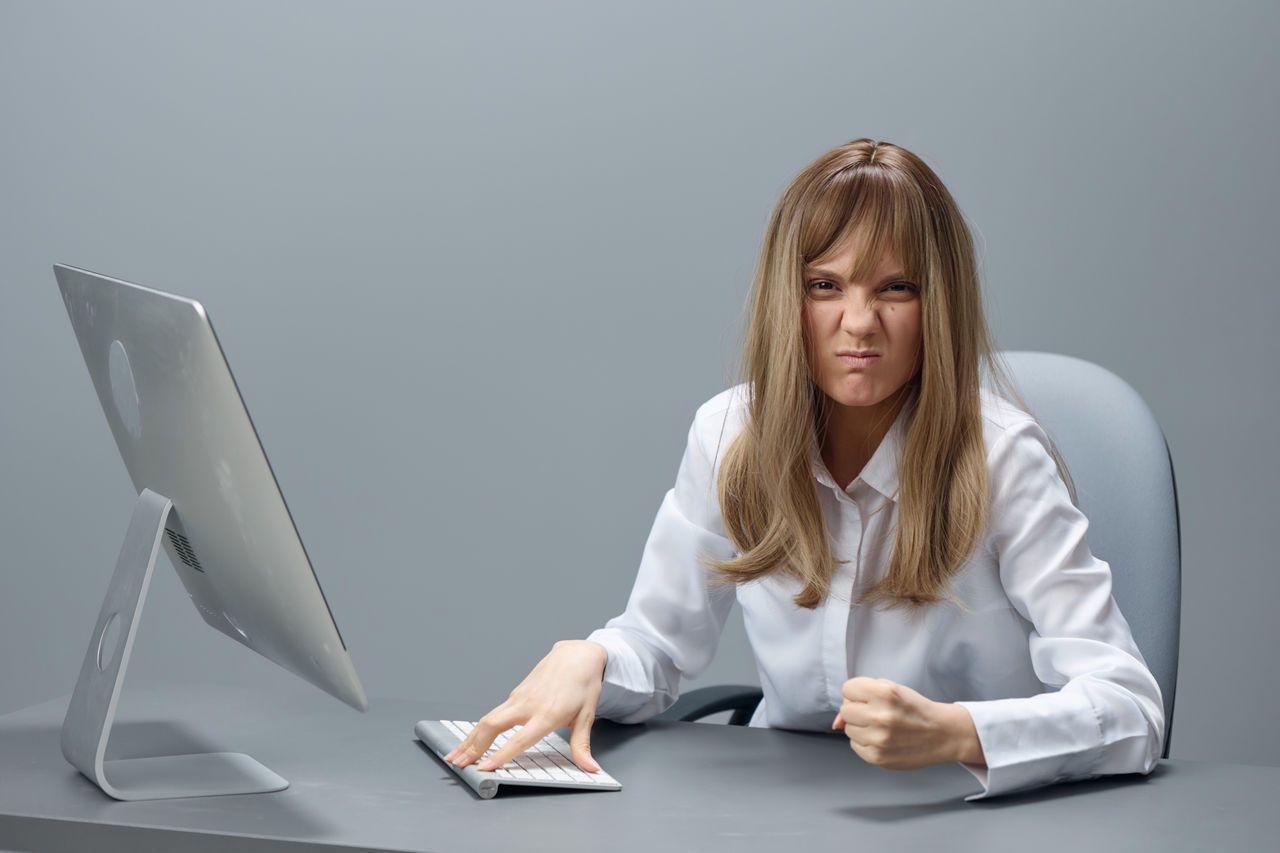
x,y
821,285
901,288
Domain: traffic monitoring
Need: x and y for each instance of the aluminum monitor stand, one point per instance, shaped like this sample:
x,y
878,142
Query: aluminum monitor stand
x,y
87,726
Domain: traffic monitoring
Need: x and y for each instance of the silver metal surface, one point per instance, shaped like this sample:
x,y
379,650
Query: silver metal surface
x,y
183,432
92,709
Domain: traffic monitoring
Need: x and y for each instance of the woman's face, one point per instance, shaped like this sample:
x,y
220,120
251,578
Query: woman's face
x,y
863,337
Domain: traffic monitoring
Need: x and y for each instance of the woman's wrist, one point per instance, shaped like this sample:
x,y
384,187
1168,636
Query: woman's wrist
x,y
965,745
586,648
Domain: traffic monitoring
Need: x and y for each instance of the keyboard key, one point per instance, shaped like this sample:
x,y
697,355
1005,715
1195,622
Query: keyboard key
x,y
548,763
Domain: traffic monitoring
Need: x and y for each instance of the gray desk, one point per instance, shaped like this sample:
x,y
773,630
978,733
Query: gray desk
x,y
362,782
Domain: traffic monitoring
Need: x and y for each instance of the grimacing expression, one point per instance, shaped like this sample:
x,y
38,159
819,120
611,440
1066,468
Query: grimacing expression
x,y
863,338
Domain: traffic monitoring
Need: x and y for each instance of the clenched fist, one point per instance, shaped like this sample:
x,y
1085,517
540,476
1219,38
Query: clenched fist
x,y
894,727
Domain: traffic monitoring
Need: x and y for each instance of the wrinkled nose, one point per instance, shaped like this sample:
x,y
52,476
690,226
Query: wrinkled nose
x,y
859,318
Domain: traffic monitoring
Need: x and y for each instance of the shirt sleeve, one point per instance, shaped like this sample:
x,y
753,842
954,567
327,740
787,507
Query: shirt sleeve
x,y
674,617
1102,713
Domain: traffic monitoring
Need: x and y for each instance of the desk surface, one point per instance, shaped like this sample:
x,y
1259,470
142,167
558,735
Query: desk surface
x,y
360,781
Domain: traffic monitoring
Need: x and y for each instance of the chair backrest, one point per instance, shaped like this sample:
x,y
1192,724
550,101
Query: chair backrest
x,y
1124,480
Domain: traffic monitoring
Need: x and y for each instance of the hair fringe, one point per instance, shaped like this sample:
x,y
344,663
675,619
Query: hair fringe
x,y
768,497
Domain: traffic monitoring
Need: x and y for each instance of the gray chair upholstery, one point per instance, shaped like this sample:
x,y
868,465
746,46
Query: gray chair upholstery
x,y
1124,481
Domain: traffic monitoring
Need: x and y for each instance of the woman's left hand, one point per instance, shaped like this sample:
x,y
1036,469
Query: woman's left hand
x,y
894,727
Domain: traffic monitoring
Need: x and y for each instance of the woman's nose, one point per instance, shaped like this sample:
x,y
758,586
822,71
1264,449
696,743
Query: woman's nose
x,y
860,317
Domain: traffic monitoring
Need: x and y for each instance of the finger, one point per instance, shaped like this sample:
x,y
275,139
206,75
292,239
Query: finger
x,y
861,689
461,747
870,753
580,740
527,736
857,719
859,715
871,716
480,738
465,752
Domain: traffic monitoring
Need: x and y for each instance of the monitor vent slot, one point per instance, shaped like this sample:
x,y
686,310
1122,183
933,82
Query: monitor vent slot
x,y
183,549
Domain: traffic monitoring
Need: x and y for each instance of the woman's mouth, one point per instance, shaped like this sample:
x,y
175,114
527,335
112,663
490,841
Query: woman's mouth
x,y
858,358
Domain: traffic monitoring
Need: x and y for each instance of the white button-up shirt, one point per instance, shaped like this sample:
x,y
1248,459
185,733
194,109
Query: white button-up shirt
x,y
1030,641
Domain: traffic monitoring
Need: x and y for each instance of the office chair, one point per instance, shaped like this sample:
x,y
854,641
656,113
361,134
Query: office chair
x,y
1124,481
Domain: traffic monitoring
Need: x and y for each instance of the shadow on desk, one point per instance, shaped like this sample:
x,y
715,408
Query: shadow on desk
x,y
134,739
39,835
38,745
608,736
889,813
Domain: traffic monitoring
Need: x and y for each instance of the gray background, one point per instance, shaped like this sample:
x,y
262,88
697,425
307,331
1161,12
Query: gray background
x,y
475,265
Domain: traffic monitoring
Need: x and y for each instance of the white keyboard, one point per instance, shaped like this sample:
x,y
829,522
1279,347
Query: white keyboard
x,y
547,764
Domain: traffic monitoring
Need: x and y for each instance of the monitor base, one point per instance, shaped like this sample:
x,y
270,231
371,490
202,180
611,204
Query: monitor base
x,y
208,774
87,725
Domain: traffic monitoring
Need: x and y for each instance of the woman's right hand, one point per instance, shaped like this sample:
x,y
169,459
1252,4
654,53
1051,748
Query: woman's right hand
x,y
562,690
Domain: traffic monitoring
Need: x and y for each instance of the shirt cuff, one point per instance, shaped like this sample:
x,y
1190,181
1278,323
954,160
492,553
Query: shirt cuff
x,y
1034,741
627,694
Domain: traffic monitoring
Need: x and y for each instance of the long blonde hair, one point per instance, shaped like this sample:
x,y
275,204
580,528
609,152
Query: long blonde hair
x,y
768,496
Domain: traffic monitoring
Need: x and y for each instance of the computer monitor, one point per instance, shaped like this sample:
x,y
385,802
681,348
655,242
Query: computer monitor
x,y
208,496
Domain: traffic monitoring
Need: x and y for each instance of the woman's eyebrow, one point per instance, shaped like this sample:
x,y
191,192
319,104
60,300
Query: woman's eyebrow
x,y
818,272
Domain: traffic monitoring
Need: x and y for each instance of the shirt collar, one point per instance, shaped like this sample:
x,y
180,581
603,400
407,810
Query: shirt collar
x,y
881,472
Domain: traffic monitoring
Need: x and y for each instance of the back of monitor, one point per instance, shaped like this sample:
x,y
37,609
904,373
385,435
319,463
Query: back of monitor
x,y
204,485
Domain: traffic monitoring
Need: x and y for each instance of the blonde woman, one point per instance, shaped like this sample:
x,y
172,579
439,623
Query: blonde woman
x,y
908,559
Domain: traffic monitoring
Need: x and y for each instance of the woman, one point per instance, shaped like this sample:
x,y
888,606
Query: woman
x,y
903,545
